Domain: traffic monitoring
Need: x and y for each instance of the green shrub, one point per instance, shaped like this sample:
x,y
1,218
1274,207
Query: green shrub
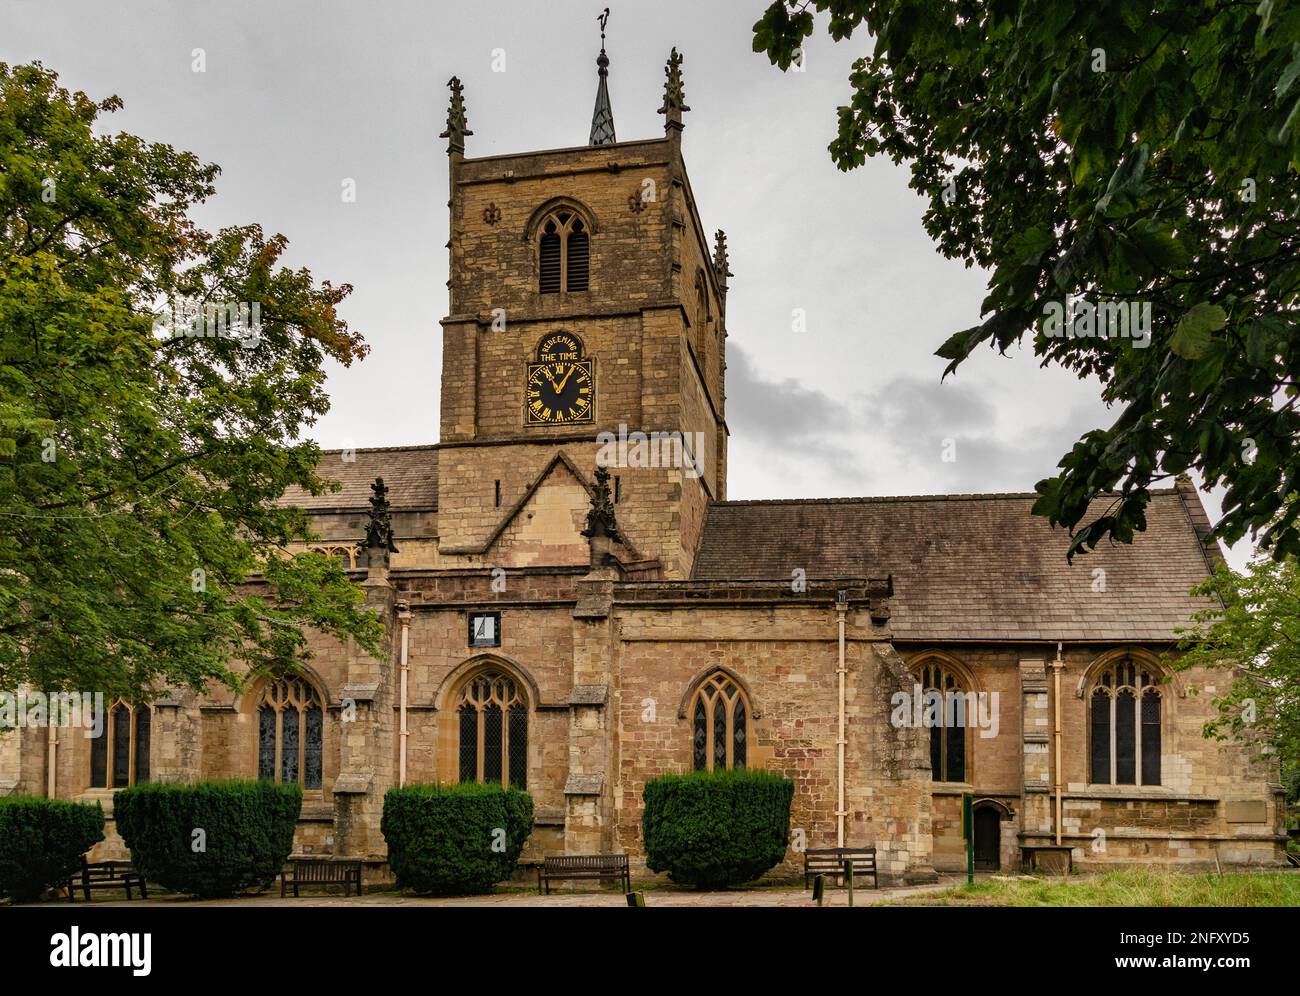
x,y
42,842
446,839
714,829
247,833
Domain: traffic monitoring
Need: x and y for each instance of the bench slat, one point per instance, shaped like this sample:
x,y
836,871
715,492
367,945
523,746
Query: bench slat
x,y
110,875
321,871
836,860
612,867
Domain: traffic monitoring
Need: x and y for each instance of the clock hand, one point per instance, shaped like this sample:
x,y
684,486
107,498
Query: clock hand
x,y
547,371
560,386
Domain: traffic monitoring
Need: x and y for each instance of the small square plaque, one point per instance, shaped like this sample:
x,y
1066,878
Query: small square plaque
x,y
485,629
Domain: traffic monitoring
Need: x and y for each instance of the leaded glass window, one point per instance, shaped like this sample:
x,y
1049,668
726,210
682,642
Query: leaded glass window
x,y
121,745
719,725
266,727
143,727
119,756
943,706
313,748
1125,725
700,736
518,740
493,730
291,733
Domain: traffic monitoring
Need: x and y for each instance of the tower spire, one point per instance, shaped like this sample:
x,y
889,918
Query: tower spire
x,y
602,118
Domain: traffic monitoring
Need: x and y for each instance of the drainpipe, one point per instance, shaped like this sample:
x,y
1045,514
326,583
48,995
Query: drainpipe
x,y
841,609
404,620
1057,666
51,774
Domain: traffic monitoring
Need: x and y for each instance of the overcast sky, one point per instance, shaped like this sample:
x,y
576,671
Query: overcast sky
x,y
296,96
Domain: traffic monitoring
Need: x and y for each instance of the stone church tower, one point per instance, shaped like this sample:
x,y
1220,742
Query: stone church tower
x,y
592,259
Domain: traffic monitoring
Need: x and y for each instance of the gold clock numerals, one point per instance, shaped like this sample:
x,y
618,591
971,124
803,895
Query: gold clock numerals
x,y
559,393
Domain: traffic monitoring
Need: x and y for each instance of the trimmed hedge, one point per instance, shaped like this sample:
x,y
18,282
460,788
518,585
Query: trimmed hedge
x,y
715,829
42,842
445,839
248,833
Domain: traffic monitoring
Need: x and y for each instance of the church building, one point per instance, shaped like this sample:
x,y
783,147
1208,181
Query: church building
x,y
573,606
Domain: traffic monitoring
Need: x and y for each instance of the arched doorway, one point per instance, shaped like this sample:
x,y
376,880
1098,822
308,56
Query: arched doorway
x,y
988,838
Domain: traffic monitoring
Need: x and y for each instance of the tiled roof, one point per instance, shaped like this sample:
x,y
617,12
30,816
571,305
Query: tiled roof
x,y
410,472
973,567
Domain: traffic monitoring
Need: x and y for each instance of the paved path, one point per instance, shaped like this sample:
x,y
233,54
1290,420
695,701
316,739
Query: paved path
x,y
653,897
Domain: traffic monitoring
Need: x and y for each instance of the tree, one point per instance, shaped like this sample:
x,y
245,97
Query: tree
x,y
1128,173
139,469
1256,634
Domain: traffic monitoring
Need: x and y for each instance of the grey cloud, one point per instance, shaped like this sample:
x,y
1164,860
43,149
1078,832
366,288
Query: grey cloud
x,y
786,415
920,417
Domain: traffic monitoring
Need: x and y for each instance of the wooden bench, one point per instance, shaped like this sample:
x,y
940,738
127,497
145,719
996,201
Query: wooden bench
x,y
600,867
320,871
107,875
1061,859
834,861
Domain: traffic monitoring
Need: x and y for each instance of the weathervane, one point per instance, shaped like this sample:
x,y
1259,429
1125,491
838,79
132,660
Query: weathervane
x,y
602,117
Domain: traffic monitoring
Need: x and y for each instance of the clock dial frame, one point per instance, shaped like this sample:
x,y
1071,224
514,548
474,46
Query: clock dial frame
x,y
560,388
560,393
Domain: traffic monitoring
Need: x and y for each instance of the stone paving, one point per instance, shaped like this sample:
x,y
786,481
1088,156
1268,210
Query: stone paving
x,y
653,897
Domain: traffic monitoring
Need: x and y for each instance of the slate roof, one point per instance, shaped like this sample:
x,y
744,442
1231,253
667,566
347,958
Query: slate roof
x,y
410,472
973,567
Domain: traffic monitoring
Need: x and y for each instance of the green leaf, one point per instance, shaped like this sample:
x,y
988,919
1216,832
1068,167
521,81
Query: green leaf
x,y
1194,333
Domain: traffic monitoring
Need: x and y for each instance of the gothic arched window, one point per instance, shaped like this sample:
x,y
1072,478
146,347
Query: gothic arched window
x,y
345,555
119,756
493,730
291,733
719,725
943,708
564,253
1124,725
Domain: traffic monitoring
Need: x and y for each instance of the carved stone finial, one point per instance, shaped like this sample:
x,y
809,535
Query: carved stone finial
x,y
600,517
674,93
379,526
720,267
457,126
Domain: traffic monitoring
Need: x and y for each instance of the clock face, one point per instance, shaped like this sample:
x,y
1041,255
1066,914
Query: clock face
x,y
559,393
560,388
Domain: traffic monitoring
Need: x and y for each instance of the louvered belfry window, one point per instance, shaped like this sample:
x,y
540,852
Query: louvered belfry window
x,y
1125,726
577,257
493,730
563,254
719,725
550,258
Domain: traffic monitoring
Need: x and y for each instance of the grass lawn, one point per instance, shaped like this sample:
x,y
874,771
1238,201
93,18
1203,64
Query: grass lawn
x,y
1128,887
